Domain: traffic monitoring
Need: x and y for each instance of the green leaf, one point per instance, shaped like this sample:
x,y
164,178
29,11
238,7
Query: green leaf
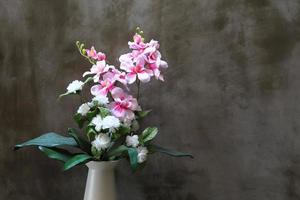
x,y
104,112
155,148
96,153
120,132
132,154
55,153
92,113
48,140
76,160
82,143
142,114
148,134
117,151
79,119
90,133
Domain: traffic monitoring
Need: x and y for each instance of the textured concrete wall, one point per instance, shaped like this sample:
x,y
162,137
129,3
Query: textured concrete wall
x,y
231,95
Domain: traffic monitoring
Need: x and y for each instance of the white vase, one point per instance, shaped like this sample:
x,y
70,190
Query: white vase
x,y
100,184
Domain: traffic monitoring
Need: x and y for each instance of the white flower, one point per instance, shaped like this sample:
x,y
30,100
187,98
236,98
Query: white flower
x,y
103,100
83,109
142,154
75,86
132,140
97,121
102,141
110,122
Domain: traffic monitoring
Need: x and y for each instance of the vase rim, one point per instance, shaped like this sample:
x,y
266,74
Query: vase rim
x,y
102,164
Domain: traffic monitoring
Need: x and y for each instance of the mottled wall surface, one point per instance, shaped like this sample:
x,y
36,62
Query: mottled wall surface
x,y
231,95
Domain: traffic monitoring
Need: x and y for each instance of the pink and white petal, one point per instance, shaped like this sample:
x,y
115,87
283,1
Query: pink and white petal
x,y
95,89
130,77
144,77
163,64
134,104
129,115
96,78
140,60
149,71
117,110
98,90
161,77
118,93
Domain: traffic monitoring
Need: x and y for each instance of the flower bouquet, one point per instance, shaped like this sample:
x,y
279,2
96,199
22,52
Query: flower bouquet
x,y
110,120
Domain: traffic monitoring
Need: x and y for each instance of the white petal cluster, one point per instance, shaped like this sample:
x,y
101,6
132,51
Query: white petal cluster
x,y
142,154
97,121
102,141
132,141
110,122
75,86
100,99
83,109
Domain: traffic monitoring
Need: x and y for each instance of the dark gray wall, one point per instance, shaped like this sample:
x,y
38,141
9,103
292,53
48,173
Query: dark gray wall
x,y
231,95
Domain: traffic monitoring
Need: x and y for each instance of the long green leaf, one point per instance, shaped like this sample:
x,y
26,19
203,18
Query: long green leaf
x,y
75,160
57,154
156,148
48,140
117,151
132,154
82,143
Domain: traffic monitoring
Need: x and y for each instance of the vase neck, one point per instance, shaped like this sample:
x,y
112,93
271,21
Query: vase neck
x,y
101,165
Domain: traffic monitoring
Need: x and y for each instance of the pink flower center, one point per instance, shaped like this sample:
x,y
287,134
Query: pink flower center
x,y
137,69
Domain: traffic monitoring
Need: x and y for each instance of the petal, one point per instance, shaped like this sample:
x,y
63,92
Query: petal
x,y
129,115
144,77
117,93
131,77
163,64
117,110
98,90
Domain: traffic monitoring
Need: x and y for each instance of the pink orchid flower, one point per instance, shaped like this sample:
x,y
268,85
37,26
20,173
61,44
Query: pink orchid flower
x,y
124,105
92,53
99,68
135,69
119,76
105,86
137,42
153,59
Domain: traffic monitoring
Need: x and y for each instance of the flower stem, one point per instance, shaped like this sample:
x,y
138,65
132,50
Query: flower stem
x,y
138,83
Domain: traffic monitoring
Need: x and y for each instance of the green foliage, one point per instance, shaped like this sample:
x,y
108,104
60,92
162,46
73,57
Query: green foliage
x,y
79,119
81,142
77,159
55,153
131,153
96,153
142,114
148,134
90,133
155,148
120,132
49,140
104,112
